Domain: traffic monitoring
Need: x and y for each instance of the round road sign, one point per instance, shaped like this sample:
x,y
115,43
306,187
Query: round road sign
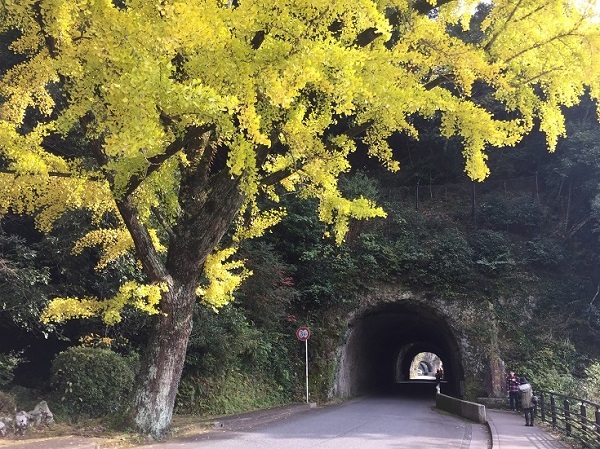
x,y
302,333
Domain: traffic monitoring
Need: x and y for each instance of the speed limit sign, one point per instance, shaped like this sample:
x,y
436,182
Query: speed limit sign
x,y
302,333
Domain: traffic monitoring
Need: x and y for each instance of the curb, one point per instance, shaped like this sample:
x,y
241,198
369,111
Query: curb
x,y
259,417
494,433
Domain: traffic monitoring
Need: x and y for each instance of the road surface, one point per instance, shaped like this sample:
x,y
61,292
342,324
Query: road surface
x,y
368,423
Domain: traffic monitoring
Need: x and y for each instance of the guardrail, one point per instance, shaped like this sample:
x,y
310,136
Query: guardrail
x,y
575,417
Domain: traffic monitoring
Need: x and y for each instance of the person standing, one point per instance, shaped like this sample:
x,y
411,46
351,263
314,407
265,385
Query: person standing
x,y
512,387
438,380
526,400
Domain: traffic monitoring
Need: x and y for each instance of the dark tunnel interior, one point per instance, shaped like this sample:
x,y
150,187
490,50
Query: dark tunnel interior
x,y
382,343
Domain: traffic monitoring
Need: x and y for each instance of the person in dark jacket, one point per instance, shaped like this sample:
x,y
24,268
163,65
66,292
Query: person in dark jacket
x,y
527,400
512,387
438,380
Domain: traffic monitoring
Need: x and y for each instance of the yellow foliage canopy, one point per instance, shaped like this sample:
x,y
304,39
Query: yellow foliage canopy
x,y
282,90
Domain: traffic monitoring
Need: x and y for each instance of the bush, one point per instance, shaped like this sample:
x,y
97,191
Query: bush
x,y
8,406
492,253
544,252
590,388
520,214
229,392
92,381
26,398
8,363
451,265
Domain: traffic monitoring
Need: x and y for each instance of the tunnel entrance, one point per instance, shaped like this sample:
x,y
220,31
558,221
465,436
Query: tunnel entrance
x,y
424,366
384,343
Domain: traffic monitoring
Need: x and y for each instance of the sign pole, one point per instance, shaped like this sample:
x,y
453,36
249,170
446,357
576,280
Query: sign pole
x,y
303,334
306,362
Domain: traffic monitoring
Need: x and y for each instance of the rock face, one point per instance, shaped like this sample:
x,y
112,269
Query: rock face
x,y
39,416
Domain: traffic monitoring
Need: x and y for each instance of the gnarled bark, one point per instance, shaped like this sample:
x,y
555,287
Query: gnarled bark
x,y
204,220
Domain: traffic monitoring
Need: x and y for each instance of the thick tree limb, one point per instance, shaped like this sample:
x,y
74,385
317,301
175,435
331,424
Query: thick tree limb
x,y
145,251
276,177
142,240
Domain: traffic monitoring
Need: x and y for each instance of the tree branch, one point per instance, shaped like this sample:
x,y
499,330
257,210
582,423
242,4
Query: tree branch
x,y
142,240
508,20
278,176
50,40
596,295
367,36
145,251
446,78
359,129
189,139
54,174
163,222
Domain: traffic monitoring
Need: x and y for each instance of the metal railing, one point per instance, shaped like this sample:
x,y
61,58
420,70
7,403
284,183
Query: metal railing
x,y
577,418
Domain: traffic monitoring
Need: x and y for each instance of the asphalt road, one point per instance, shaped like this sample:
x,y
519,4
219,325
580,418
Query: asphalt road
x,y
368,423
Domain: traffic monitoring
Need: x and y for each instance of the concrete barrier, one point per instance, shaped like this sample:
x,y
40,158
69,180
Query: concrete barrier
x,y
470,410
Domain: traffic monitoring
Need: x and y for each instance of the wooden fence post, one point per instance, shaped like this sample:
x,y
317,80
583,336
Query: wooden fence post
x,y
542,407
567,417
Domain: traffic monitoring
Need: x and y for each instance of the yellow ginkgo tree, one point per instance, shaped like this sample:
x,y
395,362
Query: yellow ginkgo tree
x,y
177,116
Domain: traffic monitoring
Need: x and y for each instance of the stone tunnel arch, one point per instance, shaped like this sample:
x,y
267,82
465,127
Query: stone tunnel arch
x,y
383,340
424,364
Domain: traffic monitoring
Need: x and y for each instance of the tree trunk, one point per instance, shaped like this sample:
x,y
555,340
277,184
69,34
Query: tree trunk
x,y
158,380
204,221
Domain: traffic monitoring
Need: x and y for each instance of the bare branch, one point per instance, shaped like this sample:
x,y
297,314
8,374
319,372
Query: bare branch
x,y
163,222
596,295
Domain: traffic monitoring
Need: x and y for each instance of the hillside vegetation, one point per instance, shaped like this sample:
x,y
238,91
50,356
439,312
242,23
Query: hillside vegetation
x,y
525,241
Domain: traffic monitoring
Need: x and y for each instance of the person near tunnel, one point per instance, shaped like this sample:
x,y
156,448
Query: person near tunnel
x,y
514,394
527,400
439,375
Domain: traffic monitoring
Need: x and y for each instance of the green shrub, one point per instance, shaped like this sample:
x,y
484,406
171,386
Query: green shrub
x,y
92,381
544,252
518,214
492,253
26,398
8,363
8,405
590,386
229,392
451,262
